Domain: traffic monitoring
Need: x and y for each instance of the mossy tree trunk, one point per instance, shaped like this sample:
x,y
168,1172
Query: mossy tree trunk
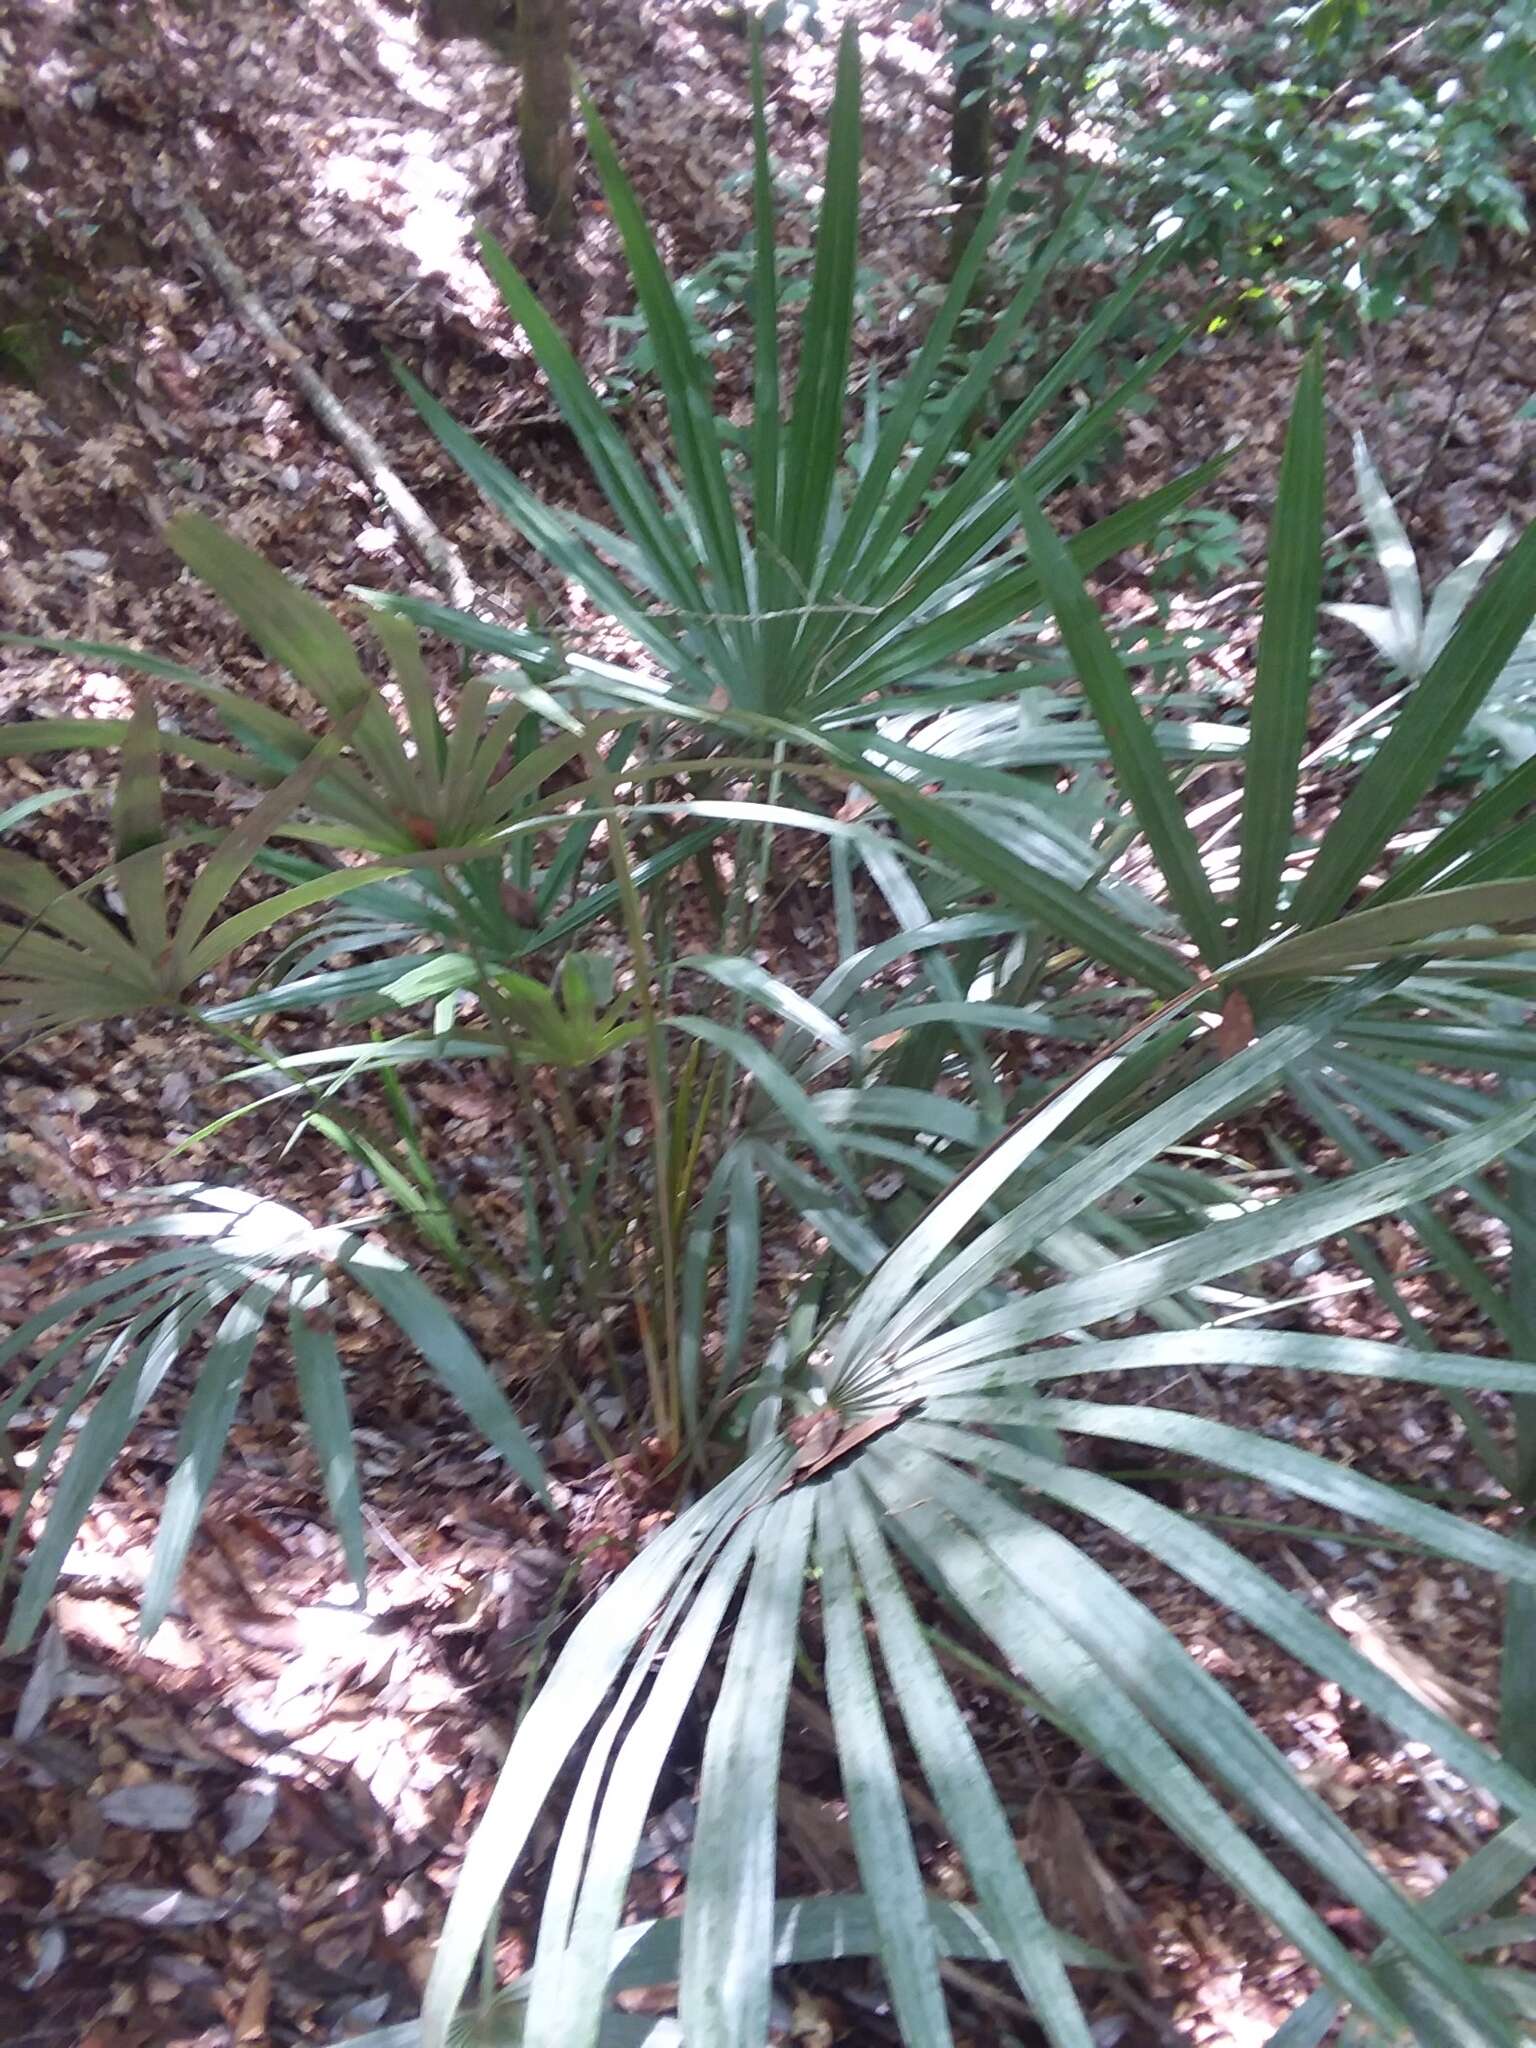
x,y
544,112
535,36
970,135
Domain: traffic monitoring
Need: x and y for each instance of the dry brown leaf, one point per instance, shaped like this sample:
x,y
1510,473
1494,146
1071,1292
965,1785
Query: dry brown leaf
x,y
1414,1672
251,2025
1075,1888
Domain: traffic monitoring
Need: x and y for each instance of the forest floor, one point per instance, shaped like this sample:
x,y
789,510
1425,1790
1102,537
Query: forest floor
x,y
305,1778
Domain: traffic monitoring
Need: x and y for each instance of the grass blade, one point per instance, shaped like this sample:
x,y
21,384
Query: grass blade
x,y
743,1260
791,1100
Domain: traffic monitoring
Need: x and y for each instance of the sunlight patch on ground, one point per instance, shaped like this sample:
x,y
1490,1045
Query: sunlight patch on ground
x,y
327,1680
1229,2021
429,202
402,175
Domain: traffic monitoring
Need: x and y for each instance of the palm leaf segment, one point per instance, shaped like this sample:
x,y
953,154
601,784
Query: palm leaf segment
x,y
1451,908
231,1259
943,1378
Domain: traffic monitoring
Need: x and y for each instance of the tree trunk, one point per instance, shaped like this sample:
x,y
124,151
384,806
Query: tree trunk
x,y
970,134
544,113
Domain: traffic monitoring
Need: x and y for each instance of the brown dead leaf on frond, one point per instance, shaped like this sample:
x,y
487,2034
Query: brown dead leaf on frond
x,y
1076,1890
1460,1703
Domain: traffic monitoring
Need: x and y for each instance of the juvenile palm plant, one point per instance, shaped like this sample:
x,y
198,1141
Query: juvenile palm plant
x,y
1446,912
68,961
727,1108
1446,907
923,1431
407,768
1285,915
1409,634
786,571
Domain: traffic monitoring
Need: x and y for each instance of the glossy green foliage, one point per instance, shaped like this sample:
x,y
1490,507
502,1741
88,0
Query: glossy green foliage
x,y
1326,158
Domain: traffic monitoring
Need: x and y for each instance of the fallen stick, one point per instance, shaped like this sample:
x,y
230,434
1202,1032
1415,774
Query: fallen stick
x,y
439,554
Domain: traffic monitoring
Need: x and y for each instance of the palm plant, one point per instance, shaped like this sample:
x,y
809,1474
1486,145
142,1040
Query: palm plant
x,y
1446,920
68,960
221,1248
462,772
1270,929
898,1437
748,1112
780,573
932,1437
1409,634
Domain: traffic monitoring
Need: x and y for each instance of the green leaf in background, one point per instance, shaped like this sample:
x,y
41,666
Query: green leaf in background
x,y
1422,735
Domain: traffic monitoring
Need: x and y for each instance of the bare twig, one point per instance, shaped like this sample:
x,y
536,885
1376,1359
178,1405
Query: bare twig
x,y
438,553
1453,405
1378,64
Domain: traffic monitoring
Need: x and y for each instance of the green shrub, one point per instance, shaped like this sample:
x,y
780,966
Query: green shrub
x,y
1322,157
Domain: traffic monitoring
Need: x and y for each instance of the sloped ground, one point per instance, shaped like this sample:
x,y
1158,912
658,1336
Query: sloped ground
x,y
245,1831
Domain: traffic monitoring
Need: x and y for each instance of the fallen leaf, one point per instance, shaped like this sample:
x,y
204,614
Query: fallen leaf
x,y
246,1813
152,1905
47,1683
251,2026
163,1806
